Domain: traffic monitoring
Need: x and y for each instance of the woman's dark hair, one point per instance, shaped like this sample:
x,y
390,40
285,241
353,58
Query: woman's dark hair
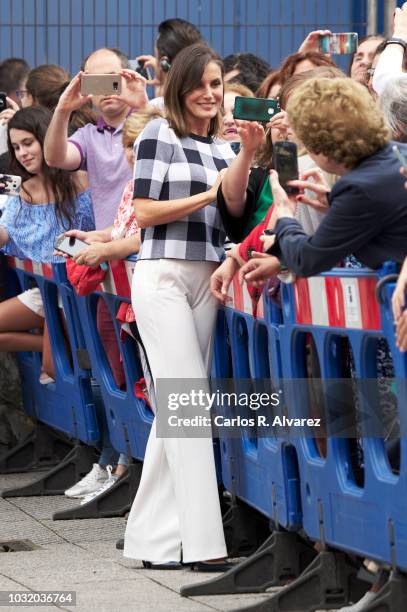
x,y
174,35
46,83
252,69
289,65
59,183
185,76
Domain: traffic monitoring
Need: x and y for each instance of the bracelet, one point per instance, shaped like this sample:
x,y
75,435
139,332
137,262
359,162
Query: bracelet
x,y
397,41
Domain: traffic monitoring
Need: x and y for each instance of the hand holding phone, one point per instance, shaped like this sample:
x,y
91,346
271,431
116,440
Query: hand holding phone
x,y
342,43
139,65
69,245
285,163
10,184
72,246
3,101
72,99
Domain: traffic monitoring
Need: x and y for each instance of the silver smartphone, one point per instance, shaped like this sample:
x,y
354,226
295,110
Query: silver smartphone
x,y
70,245
101,84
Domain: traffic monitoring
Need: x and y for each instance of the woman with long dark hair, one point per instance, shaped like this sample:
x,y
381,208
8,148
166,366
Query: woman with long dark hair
x,y
176,513
51,202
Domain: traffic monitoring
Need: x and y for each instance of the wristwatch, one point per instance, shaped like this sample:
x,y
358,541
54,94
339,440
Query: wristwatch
x,y
397,41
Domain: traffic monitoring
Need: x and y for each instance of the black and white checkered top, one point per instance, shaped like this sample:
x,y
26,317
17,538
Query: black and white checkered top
x,y
170,168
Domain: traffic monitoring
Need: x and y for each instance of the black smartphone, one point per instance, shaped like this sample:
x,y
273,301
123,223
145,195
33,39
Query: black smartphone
x,y
255,109
70,245
3,101
285,162
144,71
235,146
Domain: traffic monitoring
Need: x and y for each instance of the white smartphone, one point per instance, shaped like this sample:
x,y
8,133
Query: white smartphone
x,y
12,184
400,156
70,245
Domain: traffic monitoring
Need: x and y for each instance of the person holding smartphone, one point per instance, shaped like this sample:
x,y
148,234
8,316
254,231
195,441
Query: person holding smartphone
x,y
178,162
173,36
356,146
50,202
98,149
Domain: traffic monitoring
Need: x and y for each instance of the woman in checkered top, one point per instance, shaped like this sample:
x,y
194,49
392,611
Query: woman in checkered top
x,y
178,161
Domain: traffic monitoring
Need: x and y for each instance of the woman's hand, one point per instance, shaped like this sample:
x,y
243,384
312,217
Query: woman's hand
x,y
399,296
213,191
72,99
268,241
9,112
317,185
403,171
284,206
92,256
252,135
134,93
400,22
259,269
88,237
311,42
221,279
150,62
280,123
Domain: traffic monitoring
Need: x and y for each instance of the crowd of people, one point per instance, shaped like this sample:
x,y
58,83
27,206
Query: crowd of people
x,y
172,178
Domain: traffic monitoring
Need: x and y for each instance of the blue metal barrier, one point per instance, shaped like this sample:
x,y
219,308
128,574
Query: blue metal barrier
x,y
367,518
128,418
287,478
67,404
262,471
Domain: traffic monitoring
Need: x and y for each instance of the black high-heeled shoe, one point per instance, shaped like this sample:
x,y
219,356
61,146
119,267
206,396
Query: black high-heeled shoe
x,y
204,566
171,565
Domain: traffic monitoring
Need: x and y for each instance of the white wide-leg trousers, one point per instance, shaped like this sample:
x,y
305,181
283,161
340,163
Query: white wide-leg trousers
x,y
177,503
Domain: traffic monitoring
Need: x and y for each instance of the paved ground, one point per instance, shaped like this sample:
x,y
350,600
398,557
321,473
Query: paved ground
x,y
80,555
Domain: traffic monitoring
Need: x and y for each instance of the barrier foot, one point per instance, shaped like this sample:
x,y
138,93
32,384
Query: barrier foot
x,y
392,596
72,468
42,448
329,582
243,531
116,501
281,558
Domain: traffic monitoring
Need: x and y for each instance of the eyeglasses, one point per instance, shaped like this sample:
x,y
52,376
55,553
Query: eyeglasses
x,y
21,93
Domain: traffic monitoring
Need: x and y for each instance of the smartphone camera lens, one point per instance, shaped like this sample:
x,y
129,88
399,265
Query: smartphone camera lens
x,y
115,85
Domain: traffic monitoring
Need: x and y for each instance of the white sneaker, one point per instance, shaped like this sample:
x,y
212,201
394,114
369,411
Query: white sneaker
x,y
89,483
109,482
357,607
